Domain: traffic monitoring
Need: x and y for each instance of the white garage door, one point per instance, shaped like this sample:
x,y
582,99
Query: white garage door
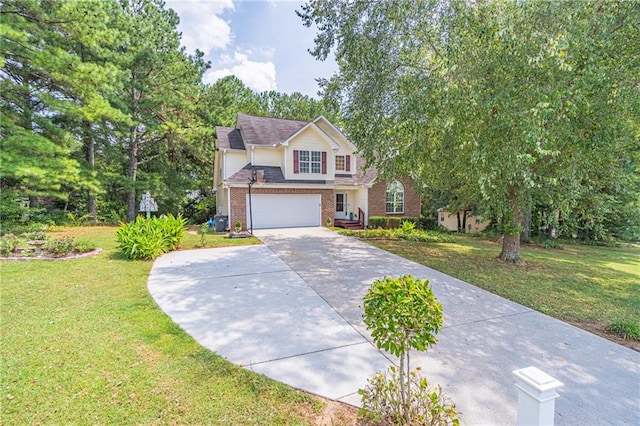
x,y
284,211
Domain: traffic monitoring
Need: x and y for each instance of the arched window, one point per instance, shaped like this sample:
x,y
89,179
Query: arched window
x,y
395,197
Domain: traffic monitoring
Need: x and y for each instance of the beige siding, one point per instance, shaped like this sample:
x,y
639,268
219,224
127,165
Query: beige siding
x,y
234,161
356,198
221,201
449,220
267,157
310,139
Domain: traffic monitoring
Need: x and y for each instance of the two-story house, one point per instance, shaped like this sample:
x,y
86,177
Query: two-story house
x,y
303,173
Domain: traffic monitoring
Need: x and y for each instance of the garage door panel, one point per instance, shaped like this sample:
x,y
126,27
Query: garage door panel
x,y
285,211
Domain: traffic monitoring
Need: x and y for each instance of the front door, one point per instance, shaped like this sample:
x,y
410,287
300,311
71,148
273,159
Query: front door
x,y
341,206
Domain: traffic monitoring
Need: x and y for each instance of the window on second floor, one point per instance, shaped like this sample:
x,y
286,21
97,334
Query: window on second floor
x,y
395,197
309,162
343,163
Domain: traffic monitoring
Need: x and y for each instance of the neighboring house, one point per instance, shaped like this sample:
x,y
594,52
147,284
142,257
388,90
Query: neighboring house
x,y
461,221
305,172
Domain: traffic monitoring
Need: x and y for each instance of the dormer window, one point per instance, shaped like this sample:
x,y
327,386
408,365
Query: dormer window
x,y
343,163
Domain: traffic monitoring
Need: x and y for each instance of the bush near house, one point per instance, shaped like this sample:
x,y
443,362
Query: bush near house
x,y
390,222
403,233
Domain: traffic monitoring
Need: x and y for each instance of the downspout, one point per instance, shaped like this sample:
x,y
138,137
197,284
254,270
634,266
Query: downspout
x,y
224,165
284,154
229,205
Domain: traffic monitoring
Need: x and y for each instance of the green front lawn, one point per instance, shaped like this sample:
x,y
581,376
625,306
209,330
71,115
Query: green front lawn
x,y
84,343
592,287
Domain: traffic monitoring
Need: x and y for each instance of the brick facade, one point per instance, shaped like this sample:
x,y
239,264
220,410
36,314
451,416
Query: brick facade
x,y
239,201
378,200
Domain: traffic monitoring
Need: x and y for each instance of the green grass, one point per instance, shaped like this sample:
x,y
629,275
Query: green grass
x,y
84,343
593,287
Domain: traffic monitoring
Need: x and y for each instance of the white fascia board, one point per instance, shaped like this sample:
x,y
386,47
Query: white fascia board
x,y
351,145
284,185
307,126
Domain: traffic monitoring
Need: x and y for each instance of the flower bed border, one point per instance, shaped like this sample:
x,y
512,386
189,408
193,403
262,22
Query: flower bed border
x,y
41,257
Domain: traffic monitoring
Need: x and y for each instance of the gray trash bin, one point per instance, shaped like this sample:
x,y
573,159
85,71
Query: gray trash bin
x,y
221,223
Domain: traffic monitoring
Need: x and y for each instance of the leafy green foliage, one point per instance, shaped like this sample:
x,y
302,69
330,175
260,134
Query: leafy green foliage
x,y
77,220
551,244
413,235
403,313
149,238
389,222
627,329
203,230
35,235
8,243
61,246
382,402
13,209
499,105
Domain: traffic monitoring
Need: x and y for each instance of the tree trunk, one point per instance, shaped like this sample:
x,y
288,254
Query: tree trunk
x,y
511,240
91,159
459,223
132,173
133,151
511,249
464,221
525,235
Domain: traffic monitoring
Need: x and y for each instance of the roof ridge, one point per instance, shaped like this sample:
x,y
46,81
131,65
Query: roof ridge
x,y
275,118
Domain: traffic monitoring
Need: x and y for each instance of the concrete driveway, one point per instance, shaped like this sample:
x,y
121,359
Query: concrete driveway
x,y
291,309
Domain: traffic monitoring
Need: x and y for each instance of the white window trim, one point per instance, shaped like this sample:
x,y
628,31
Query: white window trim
x,y
394,202
310,162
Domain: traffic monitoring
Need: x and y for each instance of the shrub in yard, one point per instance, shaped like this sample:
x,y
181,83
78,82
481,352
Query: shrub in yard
x,y
149,238
8,244
403,313
377,222
84,246
59,247
406,229
203,230
555,244
173,229
627,329
423,236
35,235
383,402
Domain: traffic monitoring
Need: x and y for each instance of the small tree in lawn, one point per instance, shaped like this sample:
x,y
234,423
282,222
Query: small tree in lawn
x,y
403,313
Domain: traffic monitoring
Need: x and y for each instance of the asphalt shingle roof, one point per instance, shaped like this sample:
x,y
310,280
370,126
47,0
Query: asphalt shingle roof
x,y
229,138
272,174
254,130
267,130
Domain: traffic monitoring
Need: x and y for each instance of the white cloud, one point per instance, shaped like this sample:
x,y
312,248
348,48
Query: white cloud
x,y
259,76
200,24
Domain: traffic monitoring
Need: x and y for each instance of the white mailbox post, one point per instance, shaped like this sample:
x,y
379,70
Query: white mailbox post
x,y
536,397
148,204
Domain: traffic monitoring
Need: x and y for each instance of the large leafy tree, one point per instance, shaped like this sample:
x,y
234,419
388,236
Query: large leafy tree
x,y
502,105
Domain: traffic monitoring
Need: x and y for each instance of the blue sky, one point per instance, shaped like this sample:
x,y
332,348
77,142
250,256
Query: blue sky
x,y
263,43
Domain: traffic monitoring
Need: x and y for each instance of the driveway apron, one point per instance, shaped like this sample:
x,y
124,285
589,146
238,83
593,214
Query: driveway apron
x,y
292,310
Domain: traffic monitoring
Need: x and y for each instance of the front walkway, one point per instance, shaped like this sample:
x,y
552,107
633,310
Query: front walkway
x,y
292,310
